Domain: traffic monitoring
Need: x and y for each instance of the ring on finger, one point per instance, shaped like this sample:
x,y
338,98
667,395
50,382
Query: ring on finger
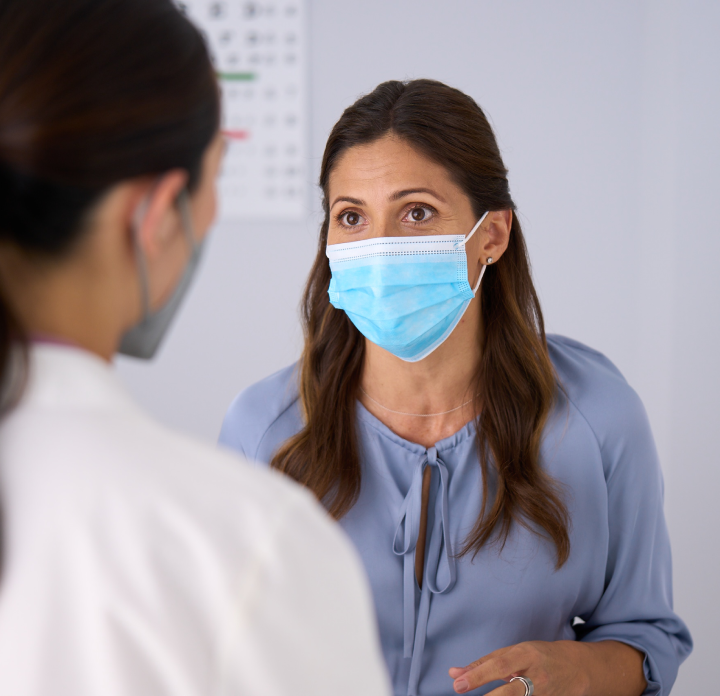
x,y
529,686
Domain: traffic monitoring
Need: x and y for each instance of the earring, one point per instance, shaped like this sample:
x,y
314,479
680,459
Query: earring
x,y
489,261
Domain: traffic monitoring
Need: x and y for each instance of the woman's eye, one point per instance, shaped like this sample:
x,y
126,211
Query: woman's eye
x,y
419,214
351,219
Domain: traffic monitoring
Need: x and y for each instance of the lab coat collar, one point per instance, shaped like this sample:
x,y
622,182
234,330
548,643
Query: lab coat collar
x,y
64,376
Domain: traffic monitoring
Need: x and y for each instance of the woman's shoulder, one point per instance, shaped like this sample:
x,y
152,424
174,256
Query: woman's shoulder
x,y
598,391
580,364
263,416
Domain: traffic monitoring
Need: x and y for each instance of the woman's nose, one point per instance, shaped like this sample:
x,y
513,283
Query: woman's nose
x,y
385,228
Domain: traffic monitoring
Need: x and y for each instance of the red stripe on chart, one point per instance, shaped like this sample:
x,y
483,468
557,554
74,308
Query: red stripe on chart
x,y
236,134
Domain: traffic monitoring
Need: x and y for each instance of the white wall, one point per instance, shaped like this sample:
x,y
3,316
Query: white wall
x,y
607,114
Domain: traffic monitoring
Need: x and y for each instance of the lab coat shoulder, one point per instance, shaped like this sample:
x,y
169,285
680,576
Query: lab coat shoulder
x,y
300,618
115,464
263,415
298,615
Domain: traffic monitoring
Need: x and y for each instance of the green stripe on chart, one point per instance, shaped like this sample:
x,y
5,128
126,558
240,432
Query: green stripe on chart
x,y
236,77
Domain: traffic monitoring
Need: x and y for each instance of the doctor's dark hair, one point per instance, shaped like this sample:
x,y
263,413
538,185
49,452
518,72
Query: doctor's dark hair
x,y
515,382
92,93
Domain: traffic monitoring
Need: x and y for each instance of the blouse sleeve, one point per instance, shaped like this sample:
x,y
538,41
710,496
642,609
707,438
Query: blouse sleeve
x,y
636,607
263,416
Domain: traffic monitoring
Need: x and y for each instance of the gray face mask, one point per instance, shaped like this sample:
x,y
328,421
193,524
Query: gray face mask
x,y
143,339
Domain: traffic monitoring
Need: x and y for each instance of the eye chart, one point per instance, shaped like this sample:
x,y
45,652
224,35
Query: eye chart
x,y
258,52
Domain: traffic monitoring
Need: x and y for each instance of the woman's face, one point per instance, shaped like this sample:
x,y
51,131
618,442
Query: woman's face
x,y
389,189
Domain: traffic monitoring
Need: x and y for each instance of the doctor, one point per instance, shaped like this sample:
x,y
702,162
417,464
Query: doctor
x,y
135,561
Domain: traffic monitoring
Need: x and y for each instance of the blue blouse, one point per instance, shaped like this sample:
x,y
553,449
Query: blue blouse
x,y
616,585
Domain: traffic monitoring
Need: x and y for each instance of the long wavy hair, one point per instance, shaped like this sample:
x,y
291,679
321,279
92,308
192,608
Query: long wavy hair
x,y
515,380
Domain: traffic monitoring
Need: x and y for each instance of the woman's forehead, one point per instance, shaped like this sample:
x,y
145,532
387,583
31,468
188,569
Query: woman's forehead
x,y
388,165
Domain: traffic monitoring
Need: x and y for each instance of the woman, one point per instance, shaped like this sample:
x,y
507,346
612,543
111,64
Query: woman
x,y
135,562
502,488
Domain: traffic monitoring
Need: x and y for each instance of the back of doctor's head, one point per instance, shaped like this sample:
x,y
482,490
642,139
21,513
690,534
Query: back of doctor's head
x,y
92,92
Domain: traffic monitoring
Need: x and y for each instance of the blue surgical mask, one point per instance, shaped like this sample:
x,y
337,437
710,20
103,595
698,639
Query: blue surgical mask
x,y
143,339
405,294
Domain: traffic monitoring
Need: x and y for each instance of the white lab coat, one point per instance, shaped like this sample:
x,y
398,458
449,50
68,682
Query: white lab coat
x,y
137,562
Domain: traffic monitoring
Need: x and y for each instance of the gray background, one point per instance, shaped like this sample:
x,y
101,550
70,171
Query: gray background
x,y
607,114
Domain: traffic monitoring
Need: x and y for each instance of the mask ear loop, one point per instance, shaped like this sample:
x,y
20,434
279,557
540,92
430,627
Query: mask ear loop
x,y
188,230
183,202
477,285
140,260
465,241
474,229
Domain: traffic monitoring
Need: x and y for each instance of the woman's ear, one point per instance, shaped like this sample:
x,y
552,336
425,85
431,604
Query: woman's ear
x,y
155,216
496,238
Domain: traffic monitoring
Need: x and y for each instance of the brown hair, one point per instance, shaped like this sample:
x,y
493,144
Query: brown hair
x,y
92,92
516,383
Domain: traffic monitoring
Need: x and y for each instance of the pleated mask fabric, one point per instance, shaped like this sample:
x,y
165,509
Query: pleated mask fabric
x,y
405,294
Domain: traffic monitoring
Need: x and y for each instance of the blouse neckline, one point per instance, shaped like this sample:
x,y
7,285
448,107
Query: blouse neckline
x,y
444,445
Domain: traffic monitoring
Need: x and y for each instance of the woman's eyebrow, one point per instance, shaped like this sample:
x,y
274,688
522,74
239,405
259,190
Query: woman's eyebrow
x,y
394,197
409,192
346,199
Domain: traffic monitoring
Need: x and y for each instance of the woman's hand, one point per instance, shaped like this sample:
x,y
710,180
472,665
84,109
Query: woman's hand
x,y
560,668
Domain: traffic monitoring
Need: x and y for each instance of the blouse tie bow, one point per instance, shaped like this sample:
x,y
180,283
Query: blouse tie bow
x,y
439,557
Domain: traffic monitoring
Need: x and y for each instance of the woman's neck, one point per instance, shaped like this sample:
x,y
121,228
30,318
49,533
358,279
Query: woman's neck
x,y
439,384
